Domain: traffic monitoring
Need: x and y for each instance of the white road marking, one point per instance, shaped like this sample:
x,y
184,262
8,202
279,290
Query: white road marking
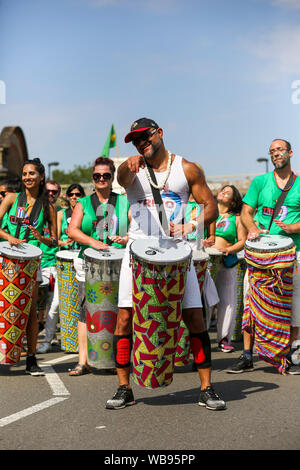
x,y
60,359
54,381
29,411
58,389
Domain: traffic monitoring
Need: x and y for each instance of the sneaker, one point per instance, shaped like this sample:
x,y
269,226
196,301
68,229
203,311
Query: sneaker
x,y
225,347
32,368
243,365
292,369
123,397
211,400
44,348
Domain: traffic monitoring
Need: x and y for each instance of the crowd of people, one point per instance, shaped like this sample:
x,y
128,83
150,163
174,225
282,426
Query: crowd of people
x,y
165,196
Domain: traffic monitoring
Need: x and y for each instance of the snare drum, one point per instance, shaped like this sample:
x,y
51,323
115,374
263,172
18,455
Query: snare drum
x,y
69,307
18,271
159,269
268,305
183,350
101,287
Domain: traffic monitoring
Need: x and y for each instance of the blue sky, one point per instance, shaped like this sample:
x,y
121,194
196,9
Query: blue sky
x,y
216,75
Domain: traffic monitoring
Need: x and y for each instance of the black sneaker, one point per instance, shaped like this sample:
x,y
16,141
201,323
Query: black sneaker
x,y
123,397
292,369
243,365
211,400
32,368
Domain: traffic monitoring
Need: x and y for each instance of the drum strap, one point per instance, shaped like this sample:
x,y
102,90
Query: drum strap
x,y
111,204
281,198
159,203
37,207
69,212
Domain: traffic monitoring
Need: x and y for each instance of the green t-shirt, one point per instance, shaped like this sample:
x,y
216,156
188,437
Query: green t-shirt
x,y
119,223
11,219
263,194
193,211
226,228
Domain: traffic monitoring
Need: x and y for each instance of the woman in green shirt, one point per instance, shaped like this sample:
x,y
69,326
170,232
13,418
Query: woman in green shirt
x,y
26,214
98,220
230,237
73,192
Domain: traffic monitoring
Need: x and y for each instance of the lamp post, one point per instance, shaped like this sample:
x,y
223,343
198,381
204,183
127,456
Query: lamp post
x,y
49,168
264,160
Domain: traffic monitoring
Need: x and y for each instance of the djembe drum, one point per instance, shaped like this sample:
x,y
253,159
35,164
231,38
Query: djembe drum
x,y
101,287
241,271
183,350
159,269
18,271
69,308
267,314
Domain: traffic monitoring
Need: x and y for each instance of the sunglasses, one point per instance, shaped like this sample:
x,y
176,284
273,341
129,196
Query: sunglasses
x,y
97,176
143,136
3,193
74,194
53,191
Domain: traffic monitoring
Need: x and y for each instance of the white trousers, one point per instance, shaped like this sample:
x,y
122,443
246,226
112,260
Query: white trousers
x,y
226,284
52,317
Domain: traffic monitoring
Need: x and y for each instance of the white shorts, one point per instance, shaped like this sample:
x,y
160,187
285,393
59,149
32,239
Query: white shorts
x,y
295,317
191,299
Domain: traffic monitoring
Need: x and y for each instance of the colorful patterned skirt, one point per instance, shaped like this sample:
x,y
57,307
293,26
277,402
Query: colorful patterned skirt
x,y
268,305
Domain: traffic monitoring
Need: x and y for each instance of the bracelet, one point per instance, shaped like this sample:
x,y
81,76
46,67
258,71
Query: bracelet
x,y
194,223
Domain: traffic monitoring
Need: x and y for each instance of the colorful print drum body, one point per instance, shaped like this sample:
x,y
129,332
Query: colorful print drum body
x,y
69,307
241,271
159,269
101,287
214,262
18,271
183,350
267,312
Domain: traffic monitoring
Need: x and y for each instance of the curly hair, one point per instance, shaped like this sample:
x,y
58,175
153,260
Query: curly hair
x,y
236,203
42,194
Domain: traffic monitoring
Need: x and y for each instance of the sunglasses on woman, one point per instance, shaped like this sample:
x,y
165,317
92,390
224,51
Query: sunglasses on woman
x,y
97,176
75,194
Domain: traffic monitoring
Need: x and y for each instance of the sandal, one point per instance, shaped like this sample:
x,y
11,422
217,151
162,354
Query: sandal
x,y
79,369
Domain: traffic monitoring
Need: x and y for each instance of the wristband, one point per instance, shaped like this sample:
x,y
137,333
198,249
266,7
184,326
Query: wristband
x,y
194,223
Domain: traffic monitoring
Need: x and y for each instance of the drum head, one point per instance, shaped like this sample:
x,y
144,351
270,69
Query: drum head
x,y
97,256
67,255
24,251
199,255
210,250
269,243
161,251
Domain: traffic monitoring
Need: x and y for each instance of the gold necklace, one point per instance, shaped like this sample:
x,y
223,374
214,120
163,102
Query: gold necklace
x,y
161,186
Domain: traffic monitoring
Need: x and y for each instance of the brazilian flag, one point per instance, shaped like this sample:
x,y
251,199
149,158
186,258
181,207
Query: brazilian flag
x,y
110,142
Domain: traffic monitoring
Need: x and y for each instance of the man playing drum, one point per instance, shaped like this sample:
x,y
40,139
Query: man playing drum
x,y
176,178
257,211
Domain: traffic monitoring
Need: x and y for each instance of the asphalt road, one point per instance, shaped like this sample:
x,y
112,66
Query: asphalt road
x,y
59,412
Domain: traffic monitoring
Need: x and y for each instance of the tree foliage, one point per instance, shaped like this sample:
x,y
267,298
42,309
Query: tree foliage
x,y
80,174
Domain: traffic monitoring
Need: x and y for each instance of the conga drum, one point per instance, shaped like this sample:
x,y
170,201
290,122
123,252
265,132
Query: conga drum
x,y
183,350
69,307
101,288
241,271
18,271
270,260
159,269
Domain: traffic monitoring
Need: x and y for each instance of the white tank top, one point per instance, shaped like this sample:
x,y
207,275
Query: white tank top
x,y
175,194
